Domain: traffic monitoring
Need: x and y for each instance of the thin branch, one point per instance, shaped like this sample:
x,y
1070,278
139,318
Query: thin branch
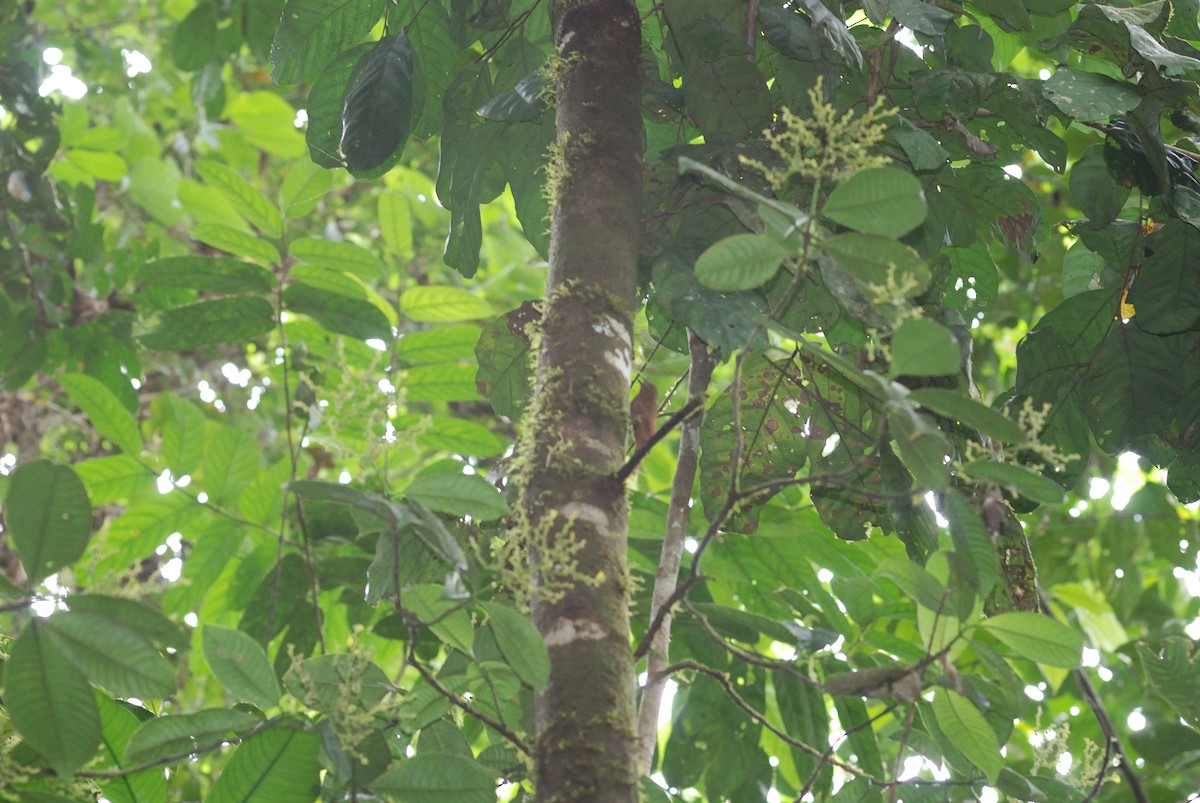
x,y
677,418
469,709
667,577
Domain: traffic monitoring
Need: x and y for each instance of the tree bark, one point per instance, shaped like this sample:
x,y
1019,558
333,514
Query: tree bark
x,y
573,507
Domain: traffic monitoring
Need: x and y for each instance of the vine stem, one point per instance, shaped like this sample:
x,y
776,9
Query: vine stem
x,y
703,360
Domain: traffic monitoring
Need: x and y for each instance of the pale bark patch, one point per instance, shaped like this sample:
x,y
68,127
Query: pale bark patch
x,y
591,514
569,631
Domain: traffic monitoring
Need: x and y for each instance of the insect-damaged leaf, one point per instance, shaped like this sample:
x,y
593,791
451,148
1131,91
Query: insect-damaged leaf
x,y
377,111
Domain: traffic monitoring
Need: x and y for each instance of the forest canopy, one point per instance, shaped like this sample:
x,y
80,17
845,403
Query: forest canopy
x,y
474,400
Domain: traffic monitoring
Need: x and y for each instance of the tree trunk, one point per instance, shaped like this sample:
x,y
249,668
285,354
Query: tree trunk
x,y
573,509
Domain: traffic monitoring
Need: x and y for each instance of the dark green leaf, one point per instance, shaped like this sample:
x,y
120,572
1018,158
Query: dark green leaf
x,y
50,702
923,347
207,274
102,407
311,32
338,313
377,114
207,322
1017,478
438,778
48,516
324,106
966,410
962,724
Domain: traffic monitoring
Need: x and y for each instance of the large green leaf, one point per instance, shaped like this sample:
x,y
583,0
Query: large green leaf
x,y
207,274
241,665
243,196
50,702
438,778
231,459
327,682
104,410
923,347
1017,478
180,733
311,32
378,107
238,242
341,256
117,724
278,765
443,304
879,200
112,654
1038,638
503,354
338,313
741,262
961,723
966,410
458,494
222,320
48,516
324,106
878,262
520,643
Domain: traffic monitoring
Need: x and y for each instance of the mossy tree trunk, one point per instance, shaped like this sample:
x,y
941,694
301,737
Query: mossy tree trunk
x,y
571,503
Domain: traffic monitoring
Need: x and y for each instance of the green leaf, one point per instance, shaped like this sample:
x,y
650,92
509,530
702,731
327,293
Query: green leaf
x,y
338,313
502,352
966,728
154,185
206,274
923,347
104,410
112,654
143,618
311,32
520,643
48,516
879,200
741,262
338,256
324,106
237,242
790,32
303,188
50,702
1038,638
278,765
241,665
1090,96
458,494
439,303
181,733
972,544
523,103
112,479
874,260
378,107
1028,483
117,724
438,778
182,427
448,620
441,383
967,411
231,460
327,683
443,344
395,223
914,581
195,39
242,195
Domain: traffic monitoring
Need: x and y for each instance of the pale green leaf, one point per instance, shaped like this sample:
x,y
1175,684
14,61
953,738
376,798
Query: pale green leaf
x,y
439,303
1038,638
278,765
741,262
879,200
520,643
241,665
966,728
104,410
112,654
